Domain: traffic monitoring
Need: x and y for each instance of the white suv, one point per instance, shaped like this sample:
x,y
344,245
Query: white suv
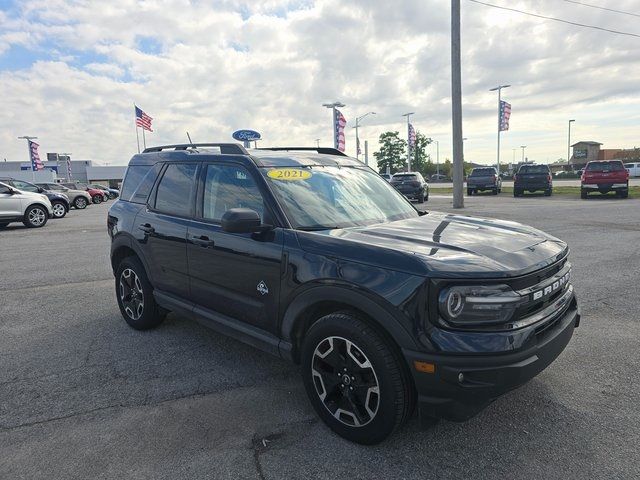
x,y
32,209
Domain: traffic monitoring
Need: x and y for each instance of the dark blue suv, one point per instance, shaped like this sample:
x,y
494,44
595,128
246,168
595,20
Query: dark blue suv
x,y
312,256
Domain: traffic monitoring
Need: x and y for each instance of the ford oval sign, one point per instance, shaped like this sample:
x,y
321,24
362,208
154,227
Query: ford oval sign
x,y
246,135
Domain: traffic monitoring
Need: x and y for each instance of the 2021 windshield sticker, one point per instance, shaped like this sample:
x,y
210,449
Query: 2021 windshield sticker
x,y
289,174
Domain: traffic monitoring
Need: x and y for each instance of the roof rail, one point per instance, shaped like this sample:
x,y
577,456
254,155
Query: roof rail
x,y
225,148
323,150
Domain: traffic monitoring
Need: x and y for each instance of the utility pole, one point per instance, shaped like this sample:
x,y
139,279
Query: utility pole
x,y
28,139
318,142
456,105
569,142
334,106
437,157
499,89
366,152
357,137
523,147
408,140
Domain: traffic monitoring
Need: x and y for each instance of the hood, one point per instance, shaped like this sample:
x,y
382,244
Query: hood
x,y
443,245
41,196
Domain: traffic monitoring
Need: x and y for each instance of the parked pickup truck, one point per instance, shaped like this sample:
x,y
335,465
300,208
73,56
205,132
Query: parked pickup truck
x,y
605,176
484,178
531,178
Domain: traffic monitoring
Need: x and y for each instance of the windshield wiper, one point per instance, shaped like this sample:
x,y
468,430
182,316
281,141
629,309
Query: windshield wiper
x,y
315,228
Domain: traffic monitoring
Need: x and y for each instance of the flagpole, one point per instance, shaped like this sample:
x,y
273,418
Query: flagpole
x,y
144,140
408,141
28,139
499,89
136,124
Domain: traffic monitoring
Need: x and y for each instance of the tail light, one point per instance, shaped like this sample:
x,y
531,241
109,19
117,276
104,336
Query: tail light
x,y
549,177
515,177
582,177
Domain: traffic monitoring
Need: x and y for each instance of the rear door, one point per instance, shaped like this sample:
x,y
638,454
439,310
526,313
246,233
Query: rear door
x,y
234,274
161,228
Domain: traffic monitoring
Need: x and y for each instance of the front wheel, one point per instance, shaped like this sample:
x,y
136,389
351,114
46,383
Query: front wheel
x,y
355,380
35,217
97,199
135,296
421,198
59,209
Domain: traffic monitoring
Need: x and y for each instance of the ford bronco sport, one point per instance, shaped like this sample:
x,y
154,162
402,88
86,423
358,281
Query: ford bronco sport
x,y
310,255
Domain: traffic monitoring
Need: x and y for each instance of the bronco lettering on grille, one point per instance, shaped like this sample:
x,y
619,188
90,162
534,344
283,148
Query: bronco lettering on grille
x,y
549,289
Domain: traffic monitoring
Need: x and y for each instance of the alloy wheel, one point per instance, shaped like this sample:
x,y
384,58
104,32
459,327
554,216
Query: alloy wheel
x,y
58,210
81,203
345,381
37,217
131,294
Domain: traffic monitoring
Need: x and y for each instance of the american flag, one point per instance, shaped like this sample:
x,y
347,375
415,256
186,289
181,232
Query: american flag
x,y
36,163
505,114
143,120
68,167
412,136
339,130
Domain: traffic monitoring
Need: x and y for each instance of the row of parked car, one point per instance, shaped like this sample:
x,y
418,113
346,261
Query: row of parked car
x,y
34,203
601,176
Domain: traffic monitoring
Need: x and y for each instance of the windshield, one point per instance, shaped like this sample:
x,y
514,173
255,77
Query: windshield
x,y
482,172
534,169
321,197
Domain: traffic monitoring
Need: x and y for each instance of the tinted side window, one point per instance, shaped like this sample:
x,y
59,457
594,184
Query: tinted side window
x,y
176,188
27,187
141,193
132,179
229,186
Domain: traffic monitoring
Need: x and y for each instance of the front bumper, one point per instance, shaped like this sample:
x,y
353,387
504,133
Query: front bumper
x,y
461,386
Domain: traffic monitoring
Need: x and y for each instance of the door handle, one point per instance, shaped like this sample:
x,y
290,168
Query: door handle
x,y
202,241
146,228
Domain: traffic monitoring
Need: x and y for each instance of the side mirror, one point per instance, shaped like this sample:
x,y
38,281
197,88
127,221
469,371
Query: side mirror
x,y
40,190
241,220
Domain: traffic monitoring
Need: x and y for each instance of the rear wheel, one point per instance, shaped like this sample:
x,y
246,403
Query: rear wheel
x,y
495,191
35,217
623,193
135,296
516,193
583,193
80,203
548,192
97,199
355,380
59,209
469,192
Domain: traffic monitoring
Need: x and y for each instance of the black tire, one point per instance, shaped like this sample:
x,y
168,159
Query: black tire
x,y
36,216
469,192
140,317
112,196
516,193
548,192
494,191
421,198
97,199
624,194
583,193
386,410
59,209
426,198
3,225
80,203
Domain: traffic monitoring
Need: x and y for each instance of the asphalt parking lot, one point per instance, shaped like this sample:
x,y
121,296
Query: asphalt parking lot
x,y
84,396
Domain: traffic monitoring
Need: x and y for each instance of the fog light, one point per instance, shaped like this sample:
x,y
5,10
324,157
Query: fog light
x,y
461,377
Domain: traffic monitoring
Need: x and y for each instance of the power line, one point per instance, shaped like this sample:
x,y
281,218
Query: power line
x,y
603,8
560,20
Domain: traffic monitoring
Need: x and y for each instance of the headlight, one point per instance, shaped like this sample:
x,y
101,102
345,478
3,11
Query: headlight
x,y
478,304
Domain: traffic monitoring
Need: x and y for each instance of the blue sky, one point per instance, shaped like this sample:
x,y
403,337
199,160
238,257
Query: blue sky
x,y
72,69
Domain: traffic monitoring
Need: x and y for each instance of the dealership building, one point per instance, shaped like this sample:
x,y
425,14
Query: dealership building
x,y
58,168
584,152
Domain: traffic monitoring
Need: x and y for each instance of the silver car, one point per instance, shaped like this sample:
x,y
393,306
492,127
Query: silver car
x,y
77,198
32,209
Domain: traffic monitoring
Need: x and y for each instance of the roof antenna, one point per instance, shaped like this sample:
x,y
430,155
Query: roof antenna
x,y
189,137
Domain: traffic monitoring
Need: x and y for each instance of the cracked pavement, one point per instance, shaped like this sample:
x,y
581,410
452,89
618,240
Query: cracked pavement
x,y
84,396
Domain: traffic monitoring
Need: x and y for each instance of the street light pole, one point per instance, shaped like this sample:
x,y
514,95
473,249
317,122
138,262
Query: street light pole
x,y
333,106
569,142
358,138
456,106
523,147
318,142
408,140
28,139
437,157
499,89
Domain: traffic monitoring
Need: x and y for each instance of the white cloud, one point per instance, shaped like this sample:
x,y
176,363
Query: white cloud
x,y
211,67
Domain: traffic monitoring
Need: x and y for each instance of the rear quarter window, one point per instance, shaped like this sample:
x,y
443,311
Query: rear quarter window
x,y
138,182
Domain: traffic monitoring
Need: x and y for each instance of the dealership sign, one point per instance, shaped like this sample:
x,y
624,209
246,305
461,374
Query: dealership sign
x,y
246,135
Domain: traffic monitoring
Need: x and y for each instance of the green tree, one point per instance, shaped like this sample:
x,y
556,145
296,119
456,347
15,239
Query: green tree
x,y
392,152
420,159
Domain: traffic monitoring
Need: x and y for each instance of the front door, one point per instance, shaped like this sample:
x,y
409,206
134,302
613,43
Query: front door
x,y
235,274
161,228
10,203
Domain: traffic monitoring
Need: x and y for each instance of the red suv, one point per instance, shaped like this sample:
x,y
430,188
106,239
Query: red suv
x,y
605,176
